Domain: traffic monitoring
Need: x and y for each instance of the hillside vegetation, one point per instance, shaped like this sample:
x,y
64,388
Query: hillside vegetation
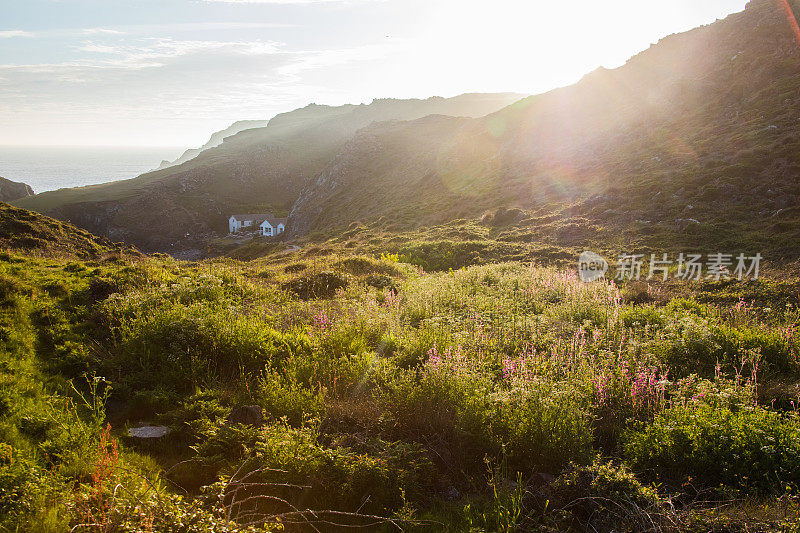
x,y
321,390
35,234
695,138
256,170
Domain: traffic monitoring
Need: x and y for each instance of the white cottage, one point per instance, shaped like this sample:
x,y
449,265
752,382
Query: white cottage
x,y
265,224
272,226
238,222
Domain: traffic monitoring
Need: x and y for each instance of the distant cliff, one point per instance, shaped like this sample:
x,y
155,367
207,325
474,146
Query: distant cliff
x,y
13,190
215,140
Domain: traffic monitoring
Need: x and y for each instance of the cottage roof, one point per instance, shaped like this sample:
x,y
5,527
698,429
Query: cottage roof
x,y
273,221
259,217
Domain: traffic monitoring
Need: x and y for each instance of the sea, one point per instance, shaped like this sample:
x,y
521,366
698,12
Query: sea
x,y
47,168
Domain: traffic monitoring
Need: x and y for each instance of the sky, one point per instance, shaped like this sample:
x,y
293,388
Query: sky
x,y
171,72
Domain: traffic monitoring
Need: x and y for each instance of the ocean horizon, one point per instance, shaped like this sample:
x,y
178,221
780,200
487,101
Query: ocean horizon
x,y
48,168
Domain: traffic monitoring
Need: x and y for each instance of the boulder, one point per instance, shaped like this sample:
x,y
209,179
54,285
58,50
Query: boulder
x,y
148,432
248,415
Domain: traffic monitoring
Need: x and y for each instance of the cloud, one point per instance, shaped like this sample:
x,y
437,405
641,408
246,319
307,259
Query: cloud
x,y
8,34
289,2
170,79
101,31
171,28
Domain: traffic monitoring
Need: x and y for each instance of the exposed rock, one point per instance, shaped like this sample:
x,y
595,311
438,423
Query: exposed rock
x,y
381,281
148,432
249,415
13,190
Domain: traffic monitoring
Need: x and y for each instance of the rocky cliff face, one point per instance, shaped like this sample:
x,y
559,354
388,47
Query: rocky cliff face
x,y
12,190
688,129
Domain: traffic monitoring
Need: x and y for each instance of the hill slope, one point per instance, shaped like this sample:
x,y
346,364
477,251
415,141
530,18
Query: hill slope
x,y
700,127
216,139
13,190
257,169
34,234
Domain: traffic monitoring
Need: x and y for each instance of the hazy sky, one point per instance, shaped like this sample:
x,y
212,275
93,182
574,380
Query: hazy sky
x,y
170,72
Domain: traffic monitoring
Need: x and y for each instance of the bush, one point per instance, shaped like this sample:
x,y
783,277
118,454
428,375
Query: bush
x,y
295,267
182,346
17,483
319,285
750,449
372,479
284,397
545,426
600,497
540,426
9,289
359,266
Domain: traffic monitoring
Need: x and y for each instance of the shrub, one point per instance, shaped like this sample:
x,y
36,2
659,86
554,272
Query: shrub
x,y
181,346
372,478
295,267
643,315
748,449
17,482
9,289
601,497
541,426
282,396
319,285
359,266
545,426
102,288
446,406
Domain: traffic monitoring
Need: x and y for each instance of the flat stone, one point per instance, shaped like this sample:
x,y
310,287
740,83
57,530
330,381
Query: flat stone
x,y
148,432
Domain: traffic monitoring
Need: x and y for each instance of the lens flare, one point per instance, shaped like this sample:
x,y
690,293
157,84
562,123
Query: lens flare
x,y
790,18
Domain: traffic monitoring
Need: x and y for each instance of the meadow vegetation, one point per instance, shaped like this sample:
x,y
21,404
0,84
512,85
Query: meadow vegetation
x,y
497,397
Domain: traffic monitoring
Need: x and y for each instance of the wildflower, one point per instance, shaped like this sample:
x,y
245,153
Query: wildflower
x,y
321,321
433,356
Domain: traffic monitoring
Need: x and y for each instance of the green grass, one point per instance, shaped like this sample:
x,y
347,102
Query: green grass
x,y
445,397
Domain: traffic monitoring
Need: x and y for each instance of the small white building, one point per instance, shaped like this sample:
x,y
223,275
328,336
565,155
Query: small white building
x,y
272,227
238,222
265,224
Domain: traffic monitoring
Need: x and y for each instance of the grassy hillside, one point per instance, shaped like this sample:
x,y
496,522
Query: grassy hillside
x,y
261,169
693,140
34,234
501,397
